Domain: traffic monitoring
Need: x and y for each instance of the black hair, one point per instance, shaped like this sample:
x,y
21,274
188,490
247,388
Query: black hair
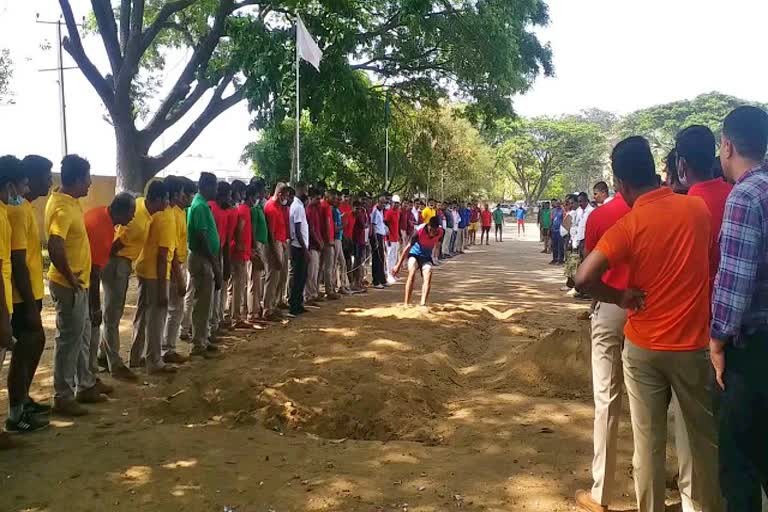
x,y
174,185
10,169
582,195
632,162
434,222
259,186
223,188
251,191
315,192
73,169
188,185
123,202
601,186
747,129
671,163
36,165
356,203
717,168
238,186
658,180
696,144
207,180
157,190
345,191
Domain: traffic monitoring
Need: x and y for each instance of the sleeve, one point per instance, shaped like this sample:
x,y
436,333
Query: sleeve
x,y
195,219
59,224
741,239
17,220
616,244
166,235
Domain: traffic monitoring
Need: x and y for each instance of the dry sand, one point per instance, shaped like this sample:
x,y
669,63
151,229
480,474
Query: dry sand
x,y
483,403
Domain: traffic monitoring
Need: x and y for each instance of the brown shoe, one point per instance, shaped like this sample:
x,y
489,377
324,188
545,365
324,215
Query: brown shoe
x,y
104,389
90,396
585,501
174,358
68,408
333,296
162,370
123,373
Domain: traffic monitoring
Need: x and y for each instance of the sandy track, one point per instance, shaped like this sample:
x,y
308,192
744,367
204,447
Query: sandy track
x,y
481,404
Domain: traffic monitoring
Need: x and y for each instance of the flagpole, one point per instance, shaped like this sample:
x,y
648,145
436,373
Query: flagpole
x,y
386,160
298,112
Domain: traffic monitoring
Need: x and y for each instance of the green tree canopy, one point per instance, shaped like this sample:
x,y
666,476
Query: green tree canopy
x,y
6,73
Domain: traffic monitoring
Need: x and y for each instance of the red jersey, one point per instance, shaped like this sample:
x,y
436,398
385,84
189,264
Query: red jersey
x,y
474,215
277,222
326,217
714,193
486,218
314,220
392,220
347,220
221,216
242,213
598,222
361,224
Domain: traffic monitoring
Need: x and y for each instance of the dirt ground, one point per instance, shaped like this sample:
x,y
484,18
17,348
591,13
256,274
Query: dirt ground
x,y
482,403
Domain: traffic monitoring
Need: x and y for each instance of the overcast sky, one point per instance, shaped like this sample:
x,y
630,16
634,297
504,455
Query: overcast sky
x,y
618,55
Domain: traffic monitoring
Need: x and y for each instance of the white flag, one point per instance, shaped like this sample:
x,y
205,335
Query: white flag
x,y
308,49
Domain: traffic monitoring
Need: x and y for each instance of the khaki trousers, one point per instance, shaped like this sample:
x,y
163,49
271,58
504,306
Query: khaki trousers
x,y
340,266
327,261
201,284
651,377
277,277
607,381
256,283
236,291
149,324
312,288
176,310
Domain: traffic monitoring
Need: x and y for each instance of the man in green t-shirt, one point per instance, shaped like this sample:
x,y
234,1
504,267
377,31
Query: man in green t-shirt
x,y
545,223
259,254
498,220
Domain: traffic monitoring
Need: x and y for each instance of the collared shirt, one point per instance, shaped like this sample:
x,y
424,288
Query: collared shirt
x,y
243,213
5,254
426,214
377,222
581,224
64,218
600,221
347,220
276,221
740,302
161,233
314,223
392,219
181,233
326,218
259,224
298,215
338,225
714,193
25,236
101,232
667,256
134,233
200,218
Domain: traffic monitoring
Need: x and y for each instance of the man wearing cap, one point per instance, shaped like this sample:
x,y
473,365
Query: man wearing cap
x,y
392,220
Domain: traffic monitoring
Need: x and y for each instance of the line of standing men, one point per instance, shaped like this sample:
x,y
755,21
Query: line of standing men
x,y
681,285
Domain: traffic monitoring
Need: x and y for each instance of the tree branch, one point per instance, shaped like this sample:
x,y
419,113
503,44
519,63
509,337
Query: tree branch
x,y
157,125
125,23
105,19
215,107
74,46
168,10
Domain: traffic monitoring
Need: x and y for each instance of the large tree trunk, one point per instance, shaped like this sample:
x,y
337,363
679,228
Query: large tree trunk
x,y
131,174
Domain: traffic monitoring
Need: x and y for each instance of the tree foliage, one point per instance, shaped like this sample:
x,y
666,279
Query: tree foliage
x,y
6,73
481,51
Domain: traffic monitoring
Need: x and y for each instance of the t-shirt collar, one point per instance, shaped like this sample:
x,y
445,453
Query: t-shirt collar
x,y
704,184
652,196
763,166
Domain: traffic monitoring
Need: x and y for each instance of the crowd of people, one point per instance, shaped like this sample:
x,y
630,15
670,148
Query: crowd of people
x,y
209,257
678,275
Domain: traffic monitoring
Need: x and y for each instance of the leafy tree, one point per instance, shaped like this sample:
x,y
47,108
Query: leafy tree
x,y
660,123
481,51
534,152
6,73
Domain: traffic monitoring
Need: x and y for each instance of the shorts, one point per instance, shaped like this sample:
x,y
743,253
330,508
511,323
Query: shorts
x,y
473,226
572,265
521,221
19,323
422,262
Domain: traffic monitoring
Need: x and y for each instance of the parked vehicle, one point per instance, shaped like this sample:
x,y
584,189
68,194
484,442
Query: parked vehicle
x,y
507,208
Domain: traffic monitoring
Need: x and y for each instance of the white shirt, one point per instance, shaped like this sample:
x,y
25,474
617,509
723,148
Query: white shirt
x,y
581,224
415,213
298,215
377,222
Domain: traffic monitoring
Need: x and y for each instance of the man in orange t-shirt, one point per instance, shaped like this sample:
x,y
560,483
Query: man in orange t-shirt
x,y
666,335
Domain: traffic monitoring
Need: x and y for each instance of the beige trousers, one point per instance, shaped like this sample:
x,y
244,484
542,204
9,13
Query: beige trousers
x,y
607,381
256,283
312,288
276,279
236,291
651,377
340,266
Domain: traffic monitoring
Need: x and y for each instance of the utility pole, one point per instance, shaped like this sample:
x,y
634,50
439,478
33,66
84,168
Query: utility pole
x,y
60,70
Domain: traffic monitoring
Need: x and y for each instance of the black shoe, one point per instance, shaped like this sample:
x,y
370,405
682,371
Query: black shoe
x,y
299,311
33,407
26,424
101,360
212,348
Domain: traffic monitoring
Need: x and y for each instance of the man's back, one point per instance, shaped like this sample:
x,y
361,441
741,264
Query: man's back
x,y
714,193
668,260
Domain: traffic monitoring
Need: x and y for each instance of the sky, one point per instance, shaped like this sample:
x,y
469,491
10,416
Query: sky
x,y
617,55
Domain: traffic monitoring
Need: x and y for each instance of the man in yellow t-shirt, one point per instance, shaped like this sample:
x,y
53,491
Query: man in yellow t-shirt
x,y
153,268
33,181
180,192
129,241
69,278
428,212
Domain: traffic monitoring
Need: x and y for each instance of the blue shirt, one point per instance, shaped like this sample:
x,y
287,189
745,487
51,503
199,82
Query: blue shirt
x,y
740,299
464,216
339,229
557,218
520,214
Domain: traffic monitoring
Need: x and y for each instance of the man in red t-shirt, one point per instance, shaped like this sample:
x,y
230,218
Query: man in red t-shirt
x,y
240,254
277,252
360,240
392,220
695,151
225,226
348,225
327,257
607,341
486,219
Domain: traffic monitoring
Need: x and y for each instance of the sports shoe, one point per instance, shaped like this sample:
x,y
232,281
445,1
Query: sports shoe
x,y
123,373
174,358
333,296
201,352
26,423
586,502
379,286
68,407
33,407
185,336
162,370
90,396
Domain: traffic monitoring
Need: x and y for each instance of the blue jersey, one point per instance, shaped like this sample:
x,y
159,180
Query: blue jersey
x,y
557,218
520,214
464,214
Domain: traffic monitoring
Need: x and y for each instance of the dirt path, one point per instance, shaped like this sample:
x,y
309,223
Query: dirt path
x,y
482,404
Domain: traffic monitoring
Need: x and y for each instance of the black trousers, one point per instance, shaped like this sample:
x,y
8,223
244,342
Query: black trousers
x,y
298,278
379,276
743,415
26,353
